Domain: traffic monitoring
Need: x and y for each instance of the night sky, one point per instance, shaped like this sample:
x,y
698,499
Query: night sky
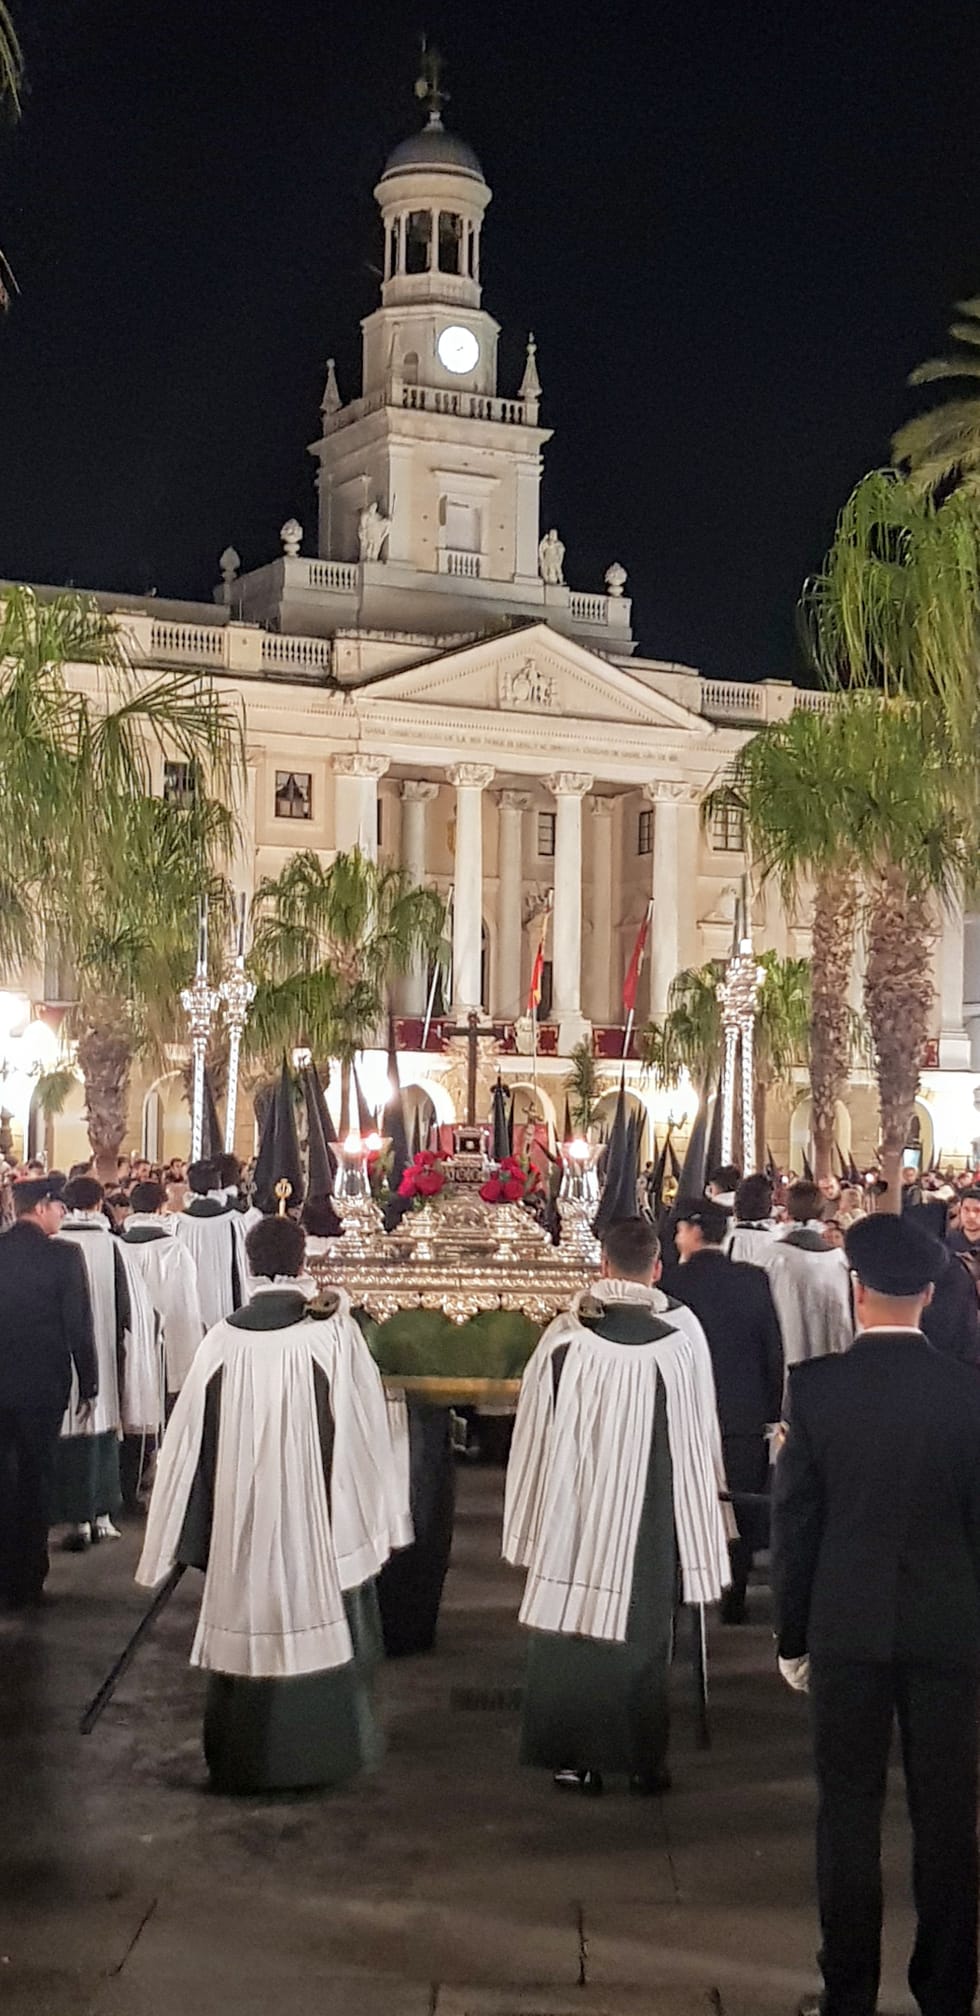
x,y
734,229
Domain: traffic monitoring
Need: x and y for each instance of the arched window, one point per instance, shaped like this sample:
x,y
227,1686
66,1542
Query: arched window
x,y
418,241
450,242
410,368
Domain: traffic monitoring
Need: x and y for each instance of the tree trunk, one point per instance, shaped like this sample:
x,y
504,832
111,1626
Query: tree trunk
x,y
898,995
834,926
105,1060
761,1104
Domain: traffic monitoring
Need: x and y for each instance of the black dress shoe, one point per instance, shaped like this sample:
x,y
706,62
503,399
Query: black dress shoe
x,y
645,1784
734,1609
589,1782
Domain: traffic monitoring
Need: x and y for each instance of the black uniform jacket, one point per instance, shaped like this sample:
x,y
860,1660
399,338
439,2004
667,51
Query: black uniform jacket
x,y
733,1304
876,1506
45,1321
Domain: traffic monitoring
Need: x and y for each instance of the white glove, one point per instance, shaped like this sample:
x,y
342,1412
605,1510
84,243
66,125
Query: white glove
x,y
796,1673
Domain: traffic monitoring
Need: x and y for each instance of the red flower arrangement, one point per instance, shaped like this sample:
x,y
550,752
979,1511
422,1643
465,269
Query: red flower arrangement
x,y
424,1177
514,1183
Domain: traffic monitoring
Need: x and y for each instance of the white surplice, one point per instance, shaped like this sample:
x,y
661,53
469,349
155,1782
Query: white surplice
x,y
281,1556
578,1467
216,1244
166,1267
89,1231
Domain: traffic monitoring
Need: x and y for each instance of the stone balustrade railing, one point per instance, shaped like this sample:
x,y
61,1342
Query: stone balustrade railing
x,y
433,399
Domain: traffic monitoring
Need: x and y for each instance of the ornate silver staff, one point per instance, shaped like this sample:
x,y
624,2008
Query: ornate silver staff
x,y
237,993
200,1004
738,994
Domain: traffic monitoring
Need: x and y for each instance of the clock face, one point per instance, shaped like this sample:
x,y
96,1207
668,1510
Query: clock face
x,y
458,349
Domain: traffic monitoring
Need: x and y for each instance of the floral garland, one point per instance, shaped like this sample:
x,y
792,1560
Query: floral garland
x,y
424,1177
515,1182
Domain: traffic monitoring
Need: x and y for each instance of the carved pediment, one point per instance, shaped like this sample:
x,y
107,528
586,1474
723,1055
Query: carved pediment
x,y
537,672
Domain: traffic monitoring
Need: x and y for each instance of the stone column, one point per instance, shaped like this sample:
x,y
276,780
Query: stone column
x,y
569,788
470,781
512,806
673,930
356,802
601,979
417,793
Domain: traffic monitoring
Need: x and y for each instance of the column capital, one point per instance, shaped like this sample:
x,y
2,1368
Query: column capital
x,y
569,783
471,776
668,791
359,764
602,807
514,801
419,790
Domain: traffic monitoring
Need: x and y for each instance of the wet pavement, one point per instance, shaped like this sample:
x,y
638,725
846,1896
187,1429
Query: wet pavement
x,y
452,1883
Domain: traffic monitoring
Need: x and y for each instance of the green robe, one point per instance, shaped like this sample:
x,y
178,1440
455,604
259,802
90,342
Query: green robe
x,y
591,1705
312,1729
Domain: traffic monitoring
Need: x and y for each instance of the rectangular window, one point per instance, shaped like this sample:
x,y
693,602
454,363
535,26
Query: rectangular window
x,y
644,832
546,835
179,783
728,828
294,794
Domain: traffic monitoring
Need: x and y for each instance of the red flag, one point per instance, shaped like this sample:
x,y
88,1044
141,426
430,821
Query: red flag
x,y
537,971
635,968
534,994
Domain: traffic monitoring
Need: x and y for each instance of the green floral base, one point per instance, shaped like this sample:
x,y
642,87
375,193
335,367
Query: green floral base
x,y
422,1343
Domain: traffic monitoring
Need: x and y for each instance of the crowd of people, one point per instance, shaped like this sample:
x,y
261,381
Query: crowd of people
x,y
778,1353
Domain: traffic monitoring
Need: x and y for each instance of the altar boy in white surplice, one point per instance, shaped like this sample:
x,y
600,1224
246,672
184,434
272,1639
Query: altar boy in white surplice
x,y
279,1478
612,1485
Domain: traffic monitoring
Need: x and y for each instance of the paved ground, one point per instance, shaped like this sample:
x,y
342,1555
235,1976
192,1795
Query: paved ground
x,y
451,1883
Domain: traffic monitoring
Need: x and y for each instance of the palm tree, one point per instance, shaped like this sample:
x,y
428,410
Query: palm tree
x,y
785,781
690,1035
582,1087
900,798
89,857
942,445
866,800
133,948
894,609
329,939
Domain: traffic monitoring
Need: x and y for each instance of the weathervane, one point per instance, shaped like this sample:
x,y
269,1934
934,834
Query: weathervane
x,y
428,84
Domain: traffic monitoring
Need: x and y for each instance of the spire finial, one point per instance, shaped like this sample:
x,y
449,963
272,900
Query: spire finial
x,y
530,386
428,84
331,401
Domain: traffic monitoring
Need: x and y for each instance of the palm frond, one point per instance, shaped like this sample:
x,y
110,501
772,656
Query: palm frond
x,y
11,60
328,940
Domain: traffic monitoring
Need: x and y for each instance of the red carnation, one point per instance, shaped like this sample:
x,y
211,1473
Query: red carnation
x,y
429,1183
512,1190
492,1190
406,1187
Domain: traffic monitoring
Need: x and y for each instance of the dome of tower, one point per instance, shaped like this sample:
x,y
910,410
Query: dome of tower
x,y
433,148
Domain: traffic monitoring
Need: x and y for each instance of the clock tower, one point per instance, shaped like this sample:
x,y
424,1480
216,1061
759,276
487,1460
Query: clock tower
x,y
431,471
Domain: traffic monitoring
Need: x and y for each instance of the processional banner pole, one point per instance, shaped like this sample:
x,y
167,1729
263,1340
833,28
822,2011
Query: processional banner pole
x,y
237,993
199,1003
